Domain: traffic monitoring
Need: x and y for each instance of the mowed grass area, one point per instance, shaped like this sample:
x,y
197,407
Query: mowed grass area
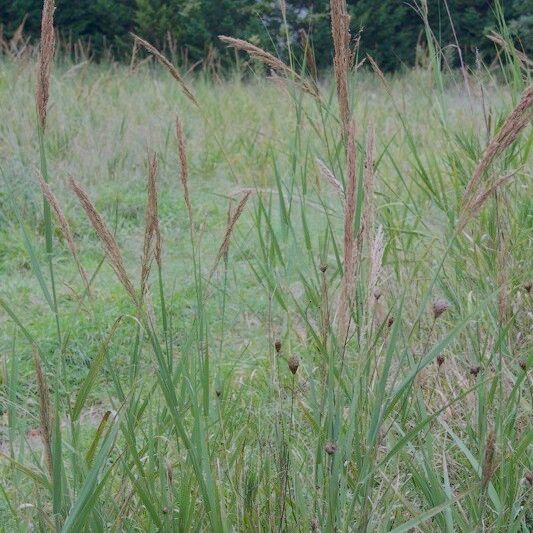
x,y
183,414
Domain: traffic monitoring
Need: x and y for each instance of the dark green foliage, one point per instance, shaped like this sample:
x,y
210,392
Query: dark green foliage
x,y
390,29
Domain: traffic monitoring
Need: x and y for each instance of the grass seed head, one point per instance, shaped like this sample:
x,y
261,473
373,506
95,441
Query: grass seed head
x,y
109,243
439,306
64,226
46,55
277,346
169,66
330,448
293,364
474,371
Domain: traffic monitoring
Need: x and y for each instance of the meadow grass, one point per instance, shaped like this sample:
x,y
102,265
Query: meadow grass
x,y
234,392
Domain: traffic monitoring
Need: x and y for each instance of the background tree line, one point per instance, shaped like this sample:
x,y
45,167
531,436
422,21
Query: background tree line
x,y
392,30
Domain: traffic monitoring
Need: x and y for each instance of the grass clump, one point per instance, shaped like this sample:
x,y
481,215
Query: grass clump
x,y
331,325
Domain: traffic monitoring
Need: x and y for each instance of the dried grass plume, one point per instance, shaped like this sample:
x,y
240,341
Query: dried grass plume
x,y
109,243
340,29
64,226
169,66
46,55
271,61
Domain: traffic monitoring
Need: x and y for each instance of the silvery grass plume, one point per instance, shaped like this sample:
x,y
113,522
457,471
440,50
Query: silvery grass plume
x,y
328,176
46,55
349,266
340,29
63,225
232,220
184,168
517,120
369,212
111,248
169,66
273,62
152,234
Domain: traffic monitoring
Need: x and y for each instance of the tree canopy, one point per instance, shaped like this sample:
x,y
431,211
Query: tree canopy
x,y
390,30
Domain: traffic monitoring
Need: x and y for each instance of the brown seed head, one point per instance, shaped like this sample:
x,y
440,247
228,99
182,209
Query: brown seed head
x,y
439,307
474,371
522,365
323,268
390,321
529,477
277,346
293,363
440,360
330,448
527,287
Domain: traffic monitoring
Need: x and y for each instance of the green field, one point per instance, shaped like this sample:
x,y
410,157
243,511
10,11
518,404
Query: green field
x,y
226,398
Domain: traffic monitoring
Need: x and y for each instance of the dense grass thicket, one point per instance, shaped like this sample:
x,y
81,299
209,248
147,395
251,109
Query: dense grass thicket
x,y
227,395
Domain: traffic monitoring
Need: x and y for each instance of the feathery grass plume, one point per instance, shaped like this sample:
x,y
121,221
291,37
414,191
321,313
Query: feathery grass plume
x,y
369,212
223,250
271,61
45,409
18,37
500,41
349,266
169,66
340,29
379,72
184,168
152,235
109,243
517,120
64,226
326,173
477,203
309,54
46,55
